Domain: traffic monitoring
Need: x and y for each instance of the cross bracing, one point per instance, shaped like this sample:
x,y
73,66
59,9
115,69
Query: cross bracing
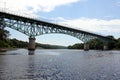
x,y
33,27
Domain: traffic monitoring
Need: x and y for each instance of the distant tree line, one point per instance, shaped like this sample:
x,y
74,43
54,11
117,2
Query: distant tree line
x,y
49,46
98,44
13,43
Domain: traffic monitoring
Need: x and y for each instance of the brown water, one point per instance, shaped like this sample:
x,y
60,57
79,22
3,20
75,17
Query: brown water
x,y
60,65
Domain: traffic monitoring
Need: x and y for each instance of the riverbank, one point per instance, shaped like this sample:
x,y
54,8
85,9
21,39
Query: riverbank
x,y
3,50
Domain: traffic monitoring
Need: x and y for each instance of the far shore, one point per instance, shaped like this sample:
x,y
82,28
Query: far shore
x,y
7,49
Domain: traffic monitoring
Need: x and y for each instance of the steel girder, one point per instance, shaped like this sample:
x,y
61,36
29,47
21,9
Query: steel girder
x,y
32,28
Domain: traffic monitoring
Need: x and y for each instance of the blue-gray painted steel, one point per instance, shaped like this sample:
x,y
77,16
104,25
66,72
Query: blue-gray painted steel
x,y
33,27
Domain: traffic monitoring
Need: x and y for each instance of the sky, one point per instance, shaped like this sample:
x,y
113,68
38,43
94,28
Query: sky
x,y
97,16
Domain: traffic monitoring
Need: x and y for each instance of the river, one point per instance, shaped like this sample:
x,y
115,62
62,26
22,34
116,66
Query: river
x,y
60,65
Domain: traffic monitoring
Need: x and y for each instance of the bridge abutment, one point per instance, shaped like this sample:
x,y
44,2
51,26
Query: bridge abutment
x,y
86,46
31,46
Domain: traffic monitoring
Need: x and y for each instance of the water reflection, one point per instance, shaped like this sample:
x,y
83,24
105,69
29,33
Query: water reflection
x,y
30,52
42,68
60,65
2,68
31,69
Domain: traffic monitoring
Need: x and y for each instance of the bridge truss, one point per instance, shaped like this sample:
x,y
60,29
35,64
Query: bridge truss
x,y
34,27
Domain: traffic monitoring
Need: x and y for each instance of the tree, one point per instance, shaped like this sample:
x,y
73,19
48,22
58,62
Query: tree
x,y
76,46
96,44
112,43
3,35
118,43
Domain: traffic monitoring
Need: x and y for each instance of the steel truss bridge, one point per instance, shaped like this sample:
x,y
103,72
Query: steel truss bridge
x,y
34,27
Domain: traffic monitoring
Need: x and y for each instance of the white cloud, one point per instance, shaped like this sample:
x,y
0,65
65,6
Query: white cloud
x,y
29,8
33,6
104,27
36,5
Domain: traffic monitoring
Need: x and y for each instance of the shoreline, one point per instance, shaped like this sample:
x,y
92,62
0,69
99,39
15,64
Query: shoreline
x,y
7,49
3,49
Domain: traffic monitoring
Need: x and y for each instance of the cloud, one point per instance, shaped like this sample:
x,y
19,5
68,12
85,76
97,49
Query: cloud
x,y
30,8
104,27
90,24
36,5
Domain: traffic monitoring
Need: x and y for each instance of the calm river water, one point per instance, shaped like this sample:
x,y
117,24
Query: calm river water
x,y
60,65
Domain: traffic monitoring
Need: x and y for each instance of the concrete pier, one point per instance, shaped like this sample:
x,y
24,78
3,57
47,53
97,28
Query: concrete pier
x,y
86,46
31,46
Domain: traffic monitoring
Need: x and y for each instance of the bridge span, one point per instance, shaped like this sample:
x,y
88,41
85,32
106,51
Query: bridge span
x,y
34,27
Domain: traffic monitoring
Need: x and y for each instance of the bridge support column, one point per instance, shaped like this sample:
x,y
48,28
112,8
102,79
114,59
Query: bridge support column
x,y
31,46
105,47
86,46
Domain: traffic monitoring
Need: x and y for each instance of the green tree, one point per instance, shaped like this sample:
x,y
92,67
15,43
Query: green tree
x,y
96,44
112,43
118,43
76,46
3,35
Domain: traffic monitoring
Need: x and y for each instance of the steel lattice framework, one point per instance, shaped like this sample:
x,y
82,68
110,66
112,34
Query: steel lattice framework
x,y
34,27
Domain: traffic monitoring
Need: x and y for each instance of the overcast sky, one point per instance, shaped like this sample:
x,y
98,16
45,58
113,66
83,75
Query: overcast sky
x,y
99,16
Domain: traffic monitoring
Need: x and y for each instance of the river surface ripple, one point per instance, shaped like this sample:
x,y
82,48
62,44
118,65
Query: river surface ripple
x,y
60,65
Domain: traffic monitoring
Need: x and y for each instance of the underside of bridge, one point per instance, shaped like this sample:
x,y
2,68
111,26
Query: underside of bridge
x,y
34,27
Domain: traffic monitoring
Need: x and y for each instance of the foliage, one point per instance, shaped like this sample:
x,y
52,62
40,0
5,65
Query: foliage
x,y
118,44
48,46
3,36
76,46
112,44
98,44
17,43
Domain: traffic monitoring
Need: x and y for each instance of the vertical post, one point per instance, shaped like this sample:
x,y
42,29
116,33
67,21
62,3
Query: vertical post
x,y
86,46
31,45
